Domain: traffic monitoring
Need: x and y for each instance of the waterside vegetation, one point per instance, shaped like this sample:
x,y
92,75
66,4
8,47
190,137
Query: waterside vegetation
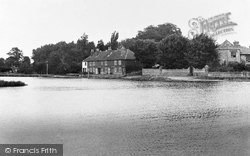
x,y
11,83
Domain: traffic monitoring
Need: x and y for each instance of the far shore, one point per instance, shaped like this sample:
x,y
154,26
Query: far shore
x,y
134,77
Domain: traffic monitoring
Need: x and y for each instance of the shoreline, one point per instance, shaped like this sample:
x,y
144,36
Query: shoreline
x,y
137,77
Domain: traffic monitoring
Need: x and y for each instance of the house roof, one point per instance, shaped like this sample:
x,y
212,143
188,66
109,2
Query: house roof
x,y
119,54
245,50
227,45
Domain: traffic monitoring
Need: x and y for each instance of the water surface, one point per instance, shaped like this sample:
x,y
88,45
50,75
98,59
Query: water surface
x,y
119,117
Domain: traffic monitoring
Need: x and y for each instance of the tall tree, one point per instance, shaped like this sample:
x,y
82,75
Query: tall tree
x,y
100,45
145,51
202,51
83,47
15,56
113,40
157,33
173,49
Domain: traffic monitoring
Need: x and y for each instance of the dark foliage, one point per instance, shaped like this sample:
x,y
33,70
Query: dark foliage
x,y
231,67
11,83
62,57
202,51
157,33
172,49
145,51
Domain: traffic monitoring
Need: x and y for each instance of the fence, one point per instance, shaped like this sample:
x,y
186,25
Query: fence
x,y
173,72
229,74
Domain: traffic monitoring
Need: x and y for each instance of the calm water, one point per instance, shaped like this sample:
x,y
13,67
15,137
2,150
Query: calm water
x,y
128,118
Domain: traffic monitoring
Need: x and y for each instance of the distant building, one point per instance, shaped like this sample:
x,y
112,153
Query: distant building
x,y
234,53
117,62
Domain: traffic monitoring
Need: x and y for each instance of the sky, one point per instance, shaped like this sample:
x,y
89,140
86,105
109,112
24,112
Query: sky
x,y
30,24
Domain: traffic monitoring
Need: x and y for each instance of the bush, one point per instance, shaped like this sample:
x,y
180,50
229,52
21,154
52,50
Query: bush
x,y
231,67
5,69
238,66
11,83
221,69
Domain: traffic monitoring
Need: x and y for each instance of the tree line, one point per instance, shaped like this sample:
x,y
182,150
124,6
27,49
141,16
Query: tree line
x,y
163,44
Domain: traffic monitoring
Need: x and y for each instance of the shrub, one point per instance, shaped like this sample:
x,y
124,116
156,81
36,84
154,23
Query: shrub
x,y
11,83
231,67
238,66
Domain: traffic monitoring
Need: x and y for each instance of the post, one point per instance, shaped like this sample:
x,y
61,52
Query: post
x,y
88,73
47,67
82,72
206,69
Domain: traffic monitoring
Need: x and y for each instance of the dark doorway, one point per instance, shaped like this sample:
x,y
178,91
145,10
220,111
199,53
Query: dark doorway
x,y
99,71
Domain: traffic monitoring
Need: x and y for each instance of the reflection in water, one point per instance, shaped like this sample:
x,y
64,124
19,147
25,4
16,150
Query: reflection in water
x,y
118,117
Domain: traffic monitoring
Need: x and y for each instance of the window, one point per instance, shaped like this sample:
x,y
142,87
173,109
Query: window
x,y
120,69
115,62
90,63
106,63
233,53
93,63
120,62
247,58
115,70
102,70
101,63
106,70
85,63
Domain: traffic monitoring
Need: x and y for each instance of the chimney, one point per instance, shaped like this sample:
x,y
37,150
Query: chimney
x,y
236,43
92,52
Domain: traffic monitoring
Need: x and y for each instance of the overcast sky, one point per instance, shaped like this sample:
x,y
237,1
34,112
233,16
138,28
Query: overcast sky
x,y
29,24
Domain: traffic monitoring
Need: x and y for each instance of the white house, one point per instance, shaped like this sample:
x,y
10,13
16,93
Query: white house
x,y
84,66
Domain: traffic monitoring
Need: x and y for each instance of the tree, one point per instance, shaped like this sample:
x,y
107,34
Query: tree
x,y
202,51
15,56
2,62
145,51
3,66
128,43
100,45
159,32
113,40
173,49
25,66
62,57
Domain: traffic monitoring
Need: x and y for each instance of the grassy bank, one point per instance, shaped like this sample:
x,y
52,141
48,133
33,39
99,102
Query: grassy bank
x,y
11,83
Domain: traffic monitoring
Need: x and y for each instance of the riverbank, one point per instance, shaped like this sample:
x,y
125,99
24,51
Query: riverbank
x,y
37,75
134,77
